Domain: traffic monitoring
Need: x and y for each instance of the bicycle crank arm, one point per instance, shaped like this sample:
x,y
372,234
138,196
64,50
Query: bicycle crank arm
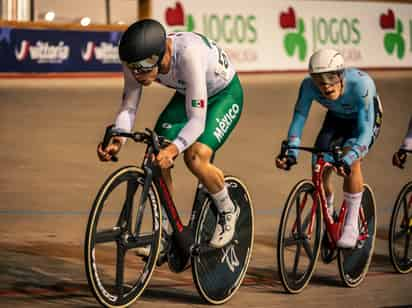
x,y
199,249
203,248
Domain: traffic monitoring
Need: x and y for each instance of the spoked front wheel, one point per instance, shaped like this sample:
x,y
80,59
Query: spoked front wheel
x,y
400,230
218,273
119,232
299,237
354,263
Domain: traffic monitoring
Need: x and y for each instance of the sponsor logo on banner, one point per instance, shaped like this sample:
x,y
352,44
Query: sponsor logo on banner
x,y
393,41
5,34
341,33
236,32
106,53
42,52
294,41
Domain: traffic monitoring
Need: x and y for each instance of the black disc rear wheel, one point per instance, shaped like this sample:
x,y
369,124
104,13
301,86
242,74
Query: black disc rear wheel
x,y
218,273
354,263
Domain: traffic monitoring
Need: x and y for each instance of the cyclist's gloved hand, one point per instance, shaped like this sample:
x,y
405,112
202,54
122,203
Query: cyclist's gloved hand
x,y
110,151
285,162
399,158
166,156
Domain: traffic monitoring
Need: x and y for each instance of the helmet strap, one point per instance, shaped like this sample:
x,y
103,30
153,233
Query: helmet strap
x,y
161,57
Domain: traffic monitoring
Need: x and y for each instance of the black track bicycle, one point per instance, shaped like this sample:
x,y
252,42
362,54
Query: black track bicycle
x,y
127,215
400,229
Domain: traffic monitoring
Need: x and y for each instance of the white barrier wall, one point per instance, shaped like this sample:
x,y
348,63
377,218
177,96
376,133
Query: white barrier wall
x,y
267,35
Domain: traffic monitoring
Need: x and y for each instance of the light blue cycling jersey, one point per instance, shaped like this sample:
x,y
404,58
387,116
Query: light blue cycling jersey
x,y
356,102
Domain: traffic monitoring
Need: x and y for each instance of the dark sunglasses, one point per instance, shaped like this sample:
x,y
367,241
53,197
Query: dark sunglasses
x,y
330,78
143,66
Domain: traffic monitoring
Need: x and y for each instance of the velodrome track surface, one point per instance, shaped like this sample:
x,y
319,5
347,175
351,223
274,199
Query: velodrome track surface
x,y
50,174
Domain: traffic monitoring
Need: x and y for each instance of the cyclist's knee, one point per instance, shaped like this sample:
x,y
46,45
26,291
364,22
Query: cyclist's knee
x,y
197,156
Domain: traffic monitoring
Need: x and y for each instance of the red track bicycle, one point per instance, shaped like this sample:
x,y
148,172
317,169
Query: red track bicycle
x,y
300,231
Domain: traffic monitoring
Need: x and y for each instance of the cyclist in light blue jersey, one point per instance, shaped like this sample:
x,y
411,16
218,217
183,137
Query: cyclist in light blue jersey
x,y
353,121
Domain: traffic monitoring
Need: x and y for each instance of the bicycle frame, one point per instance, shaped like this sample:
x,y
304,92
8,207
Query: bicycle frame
x,y
166,198
333,227
182,234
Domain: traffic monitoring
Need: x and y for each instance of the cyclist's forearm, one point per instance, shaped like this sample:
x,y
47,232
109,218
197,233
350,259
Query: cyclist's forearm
x,y
190,133
125,119
132,93
366,124
295,131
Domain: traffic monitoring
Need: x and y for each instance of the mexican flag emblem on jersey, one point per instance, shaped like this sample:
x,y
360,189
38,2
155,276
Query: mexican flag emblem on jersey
x,y
198,103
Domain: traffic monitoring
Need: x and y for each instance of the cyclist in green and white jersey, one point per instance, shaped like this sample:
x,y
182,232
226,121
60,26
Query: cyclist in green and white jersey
x,y
200,116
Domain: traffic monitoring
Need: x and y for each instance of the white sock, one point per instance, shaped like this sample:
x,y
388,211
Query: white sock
x,y
353,202
329,202
330,199
223,201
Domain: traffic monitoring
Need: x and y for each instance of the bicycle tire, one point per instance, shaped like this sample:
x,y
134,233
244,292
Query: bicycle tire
x,y
354,263
219,273
114,285
295,279
403,229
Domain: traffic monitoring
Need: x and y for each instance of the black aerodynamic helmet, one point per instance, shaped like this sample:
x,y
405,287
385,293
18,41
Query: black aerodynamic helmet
x,y
143,40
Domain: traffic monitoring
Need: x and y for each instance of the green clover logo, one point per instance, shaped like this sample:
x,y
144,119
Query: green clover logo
x,y
293,42
394,41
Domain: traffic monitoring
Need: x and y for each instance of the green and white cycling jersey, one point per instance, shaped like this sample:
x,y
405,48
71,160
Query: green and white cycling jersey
x,y
199,70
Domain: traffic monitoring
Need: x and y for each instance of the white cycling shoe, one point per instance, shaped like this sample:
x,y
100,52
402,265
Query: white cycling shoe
x,y
225,228
349,237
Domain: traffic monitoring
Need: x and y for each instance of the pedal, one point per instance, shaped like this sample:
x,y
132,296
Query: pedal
x,y
203,248
359,244
195,250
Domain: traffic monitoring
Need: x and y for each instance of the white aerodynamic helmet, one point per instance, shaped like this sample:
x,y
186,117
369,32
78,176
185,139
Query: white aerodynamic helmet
x,y
326,60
